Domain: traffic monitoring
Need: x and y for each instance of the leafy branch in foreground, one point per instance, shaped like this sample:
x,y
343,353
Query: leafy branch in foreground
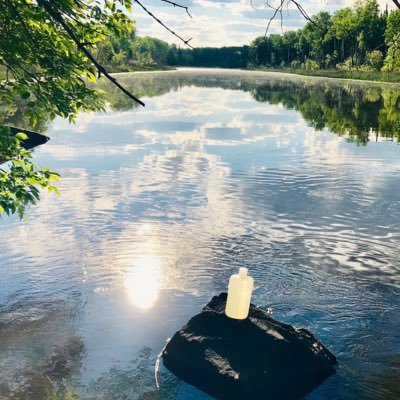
x,y
46,59
44,76
44,63
20,179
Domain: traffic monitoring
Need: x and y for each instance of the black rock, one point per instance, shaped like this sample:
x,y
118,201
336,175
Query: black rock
x,y
258,358
34,139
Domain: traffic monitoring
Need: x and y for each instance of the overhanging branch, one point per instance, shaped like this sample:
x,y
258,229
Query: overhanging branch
x,y
279,9
57,17
162,23
178,5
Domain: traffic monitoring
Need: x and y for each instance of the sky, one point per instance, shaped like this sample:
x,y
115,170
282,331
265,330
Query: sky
x,y
225,22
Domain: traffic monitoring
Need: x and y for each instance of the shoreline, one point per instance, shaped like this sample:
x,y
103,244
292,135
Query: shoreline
x,y
320,74
327,74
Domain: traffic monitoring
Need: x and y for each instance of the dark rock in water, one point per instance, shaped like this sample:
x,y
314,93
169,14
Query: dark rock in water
x,y
253,359
34,138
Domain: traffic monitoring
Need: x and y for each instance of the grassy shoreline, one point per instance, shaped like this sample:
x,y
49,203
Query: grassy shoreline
x,y
139,68
372,76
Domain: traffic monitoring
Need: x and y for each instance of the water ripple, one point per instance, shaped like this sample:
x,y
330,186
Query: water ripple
x,y
152,223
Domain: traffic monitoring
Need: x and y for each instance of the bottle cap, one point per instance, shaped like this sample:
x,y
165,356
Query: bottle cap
x,y
243,272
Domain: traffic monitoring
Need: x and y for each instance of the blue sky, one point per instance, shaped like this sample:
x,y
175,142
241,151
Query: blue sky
x,y
225,22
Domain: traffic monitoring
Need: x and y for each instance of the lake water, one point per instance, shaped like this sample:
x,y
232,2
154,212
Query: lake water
x,y
297,179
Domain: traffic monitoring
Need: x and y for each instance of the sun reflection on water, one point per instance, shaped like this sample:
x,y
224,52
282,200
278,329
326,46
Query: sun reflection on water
x,y
142,282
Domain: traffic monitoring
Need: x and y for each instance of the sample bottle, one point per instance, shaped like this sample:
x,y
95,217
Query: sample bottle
x,y
239,295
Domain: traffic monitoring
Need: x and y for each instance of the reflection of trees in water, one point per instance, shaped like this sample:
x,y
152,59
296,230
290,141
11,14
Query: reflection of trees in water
x,y
146,85
347,110
356,111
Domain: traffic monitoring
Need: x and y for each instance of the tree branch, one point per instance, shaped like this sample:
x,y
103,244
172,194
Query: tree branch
x,y
397,3
276,10
11,4
57,17
303,12
87,27
178,5
28,73
162,24
28,33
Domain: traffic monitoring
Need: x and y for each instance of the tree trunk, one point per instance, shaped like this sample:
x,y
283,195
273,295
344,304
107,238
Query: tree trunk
x,y
342,50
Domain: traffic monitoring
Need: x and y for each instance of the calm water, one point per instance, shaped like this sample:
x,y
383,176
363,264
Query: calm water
x,y
295,178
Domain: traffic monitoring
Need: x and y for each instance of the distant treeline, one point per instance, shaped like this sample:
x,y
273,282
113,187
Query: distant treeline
x,y
138,53
361,38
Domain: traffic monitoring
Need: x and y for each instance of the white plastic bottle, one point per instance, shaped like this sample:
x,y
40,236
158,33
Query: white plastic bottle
x,y
239,295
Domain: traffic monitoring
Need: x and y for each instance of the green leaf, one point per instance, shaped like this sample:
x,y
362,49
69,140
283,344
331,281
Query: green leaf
x,y
54,177
21,136
54,189
31,181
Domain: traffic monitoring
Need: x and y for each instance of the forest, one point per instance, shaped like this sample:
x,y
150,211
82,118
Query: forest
x,y
362,38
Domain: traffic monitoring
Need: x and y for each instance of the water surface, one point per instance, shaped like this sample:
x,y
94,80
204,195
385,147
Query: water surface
x,y
296,179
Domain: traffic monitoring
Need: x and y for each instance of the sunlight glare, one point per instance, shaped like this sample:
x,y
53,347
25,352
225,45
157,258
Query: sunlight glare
x,y
143,282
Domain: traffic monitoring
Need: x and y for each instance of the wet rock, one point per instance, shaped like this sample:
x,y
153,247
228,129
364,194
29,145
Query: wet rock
x,y
257,358
34,138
